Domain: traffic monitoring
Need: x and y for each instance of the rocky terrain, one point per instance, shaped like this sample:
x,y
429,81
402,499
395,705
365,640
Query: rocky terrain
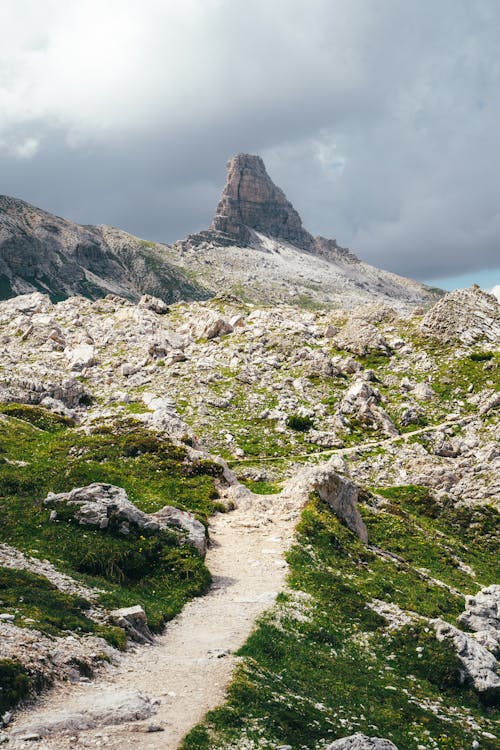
x,y
249,491
128,428
42,252
256,248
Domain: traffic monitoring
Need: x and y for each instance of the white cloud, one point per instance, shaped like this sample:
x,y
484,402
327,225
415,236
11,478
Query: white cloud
x,y
27,148
380,120
496,291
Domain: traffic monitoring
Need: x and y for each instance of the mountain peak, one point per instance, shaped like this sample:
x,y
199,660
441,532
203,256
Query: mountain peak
x,y
251,200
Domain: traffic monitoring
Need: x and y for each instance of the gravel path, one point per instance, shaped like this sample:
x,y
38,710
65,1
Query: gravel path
x,y
190,666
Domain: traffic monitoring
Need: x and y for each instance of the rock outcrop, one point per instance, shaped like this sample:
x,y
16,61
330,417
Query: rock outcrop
x,y
103,505
465,315
479,664
482,615
106,709
39,251
251,200
339,492
362,742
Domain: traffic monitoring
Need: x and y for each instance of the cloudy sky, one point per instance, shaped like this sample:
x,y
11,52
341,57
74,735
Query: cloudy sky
x,y
379,118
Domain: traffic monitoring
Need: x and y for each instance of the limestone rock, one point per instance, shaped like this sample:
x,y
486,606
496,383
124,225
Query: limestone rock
x,y
466,315
181,519
210,325
361,742
339,492
99,504
482,610
38,248
362,401
482,615
108,708
361,338
251,200
134,622
80,357
155,304
479,664
70,392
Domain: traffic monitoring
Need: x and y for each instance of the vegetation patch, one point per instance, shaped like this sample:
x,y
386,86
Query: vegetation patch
x,y
35,415
156,571
322,664
299,424
15,684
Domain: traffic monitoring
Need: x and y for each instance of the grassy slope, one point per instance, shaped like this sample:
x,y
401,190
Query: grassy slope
x,y
40,452
322,665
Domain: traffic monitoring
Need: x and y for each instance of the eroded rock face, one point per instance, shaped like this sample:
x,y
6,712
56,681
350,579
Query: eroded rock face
x,y
466,315
362,742
41,251
339,492
252,201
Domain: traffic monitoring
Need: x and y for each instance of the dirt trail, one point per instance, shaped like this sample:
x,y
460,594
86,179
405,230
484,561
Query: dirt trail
x,y
184,669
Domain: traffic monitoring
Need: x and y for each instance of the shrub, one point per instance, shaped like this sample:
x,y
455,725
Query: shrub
x,y
15,684
299,424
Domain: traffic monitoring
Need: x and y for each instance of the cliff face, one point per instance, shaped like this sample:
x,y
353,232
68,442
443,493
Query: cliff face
x,y
251,200
42,252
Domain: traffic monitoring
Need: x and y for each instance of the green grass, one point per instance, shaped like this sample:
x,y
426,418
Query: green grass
x,y
35,415
262,488
322,664
36,603
15,684
155,571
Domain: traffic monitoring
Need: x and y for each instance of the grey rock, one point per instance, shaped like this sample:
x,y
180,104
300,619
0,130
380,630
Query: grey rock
x,y
482,615
155,304
361,338
97,504
466,315
339,492
109,708
181,519
251,200
361,742
479,664
73,259
482,611
135,623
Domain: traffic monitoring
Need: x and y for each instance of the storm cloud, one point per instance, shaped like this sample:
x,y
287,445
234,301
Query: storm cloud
x,y
379,118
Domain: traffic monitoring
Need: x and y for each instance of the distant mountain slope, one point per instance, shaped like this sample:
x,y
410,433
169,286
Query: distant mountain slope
x,y
42,252
258,248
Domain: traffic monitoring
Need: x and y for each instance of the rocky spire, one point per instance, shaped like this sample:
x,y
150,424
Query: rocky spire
x,y
251,200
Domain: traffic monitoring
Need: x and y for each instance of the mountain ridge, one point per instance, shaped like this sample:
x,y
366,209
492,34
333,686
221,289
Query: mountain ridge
x,y
256,247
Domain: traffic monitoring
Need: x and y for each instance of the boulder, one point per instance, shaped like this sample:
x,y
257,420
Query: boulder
x,y
101,504
181,519
108,708
361,742
209,325
479,664
339,492
155,304
361,338
362,401
80,357
466,315
134,622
